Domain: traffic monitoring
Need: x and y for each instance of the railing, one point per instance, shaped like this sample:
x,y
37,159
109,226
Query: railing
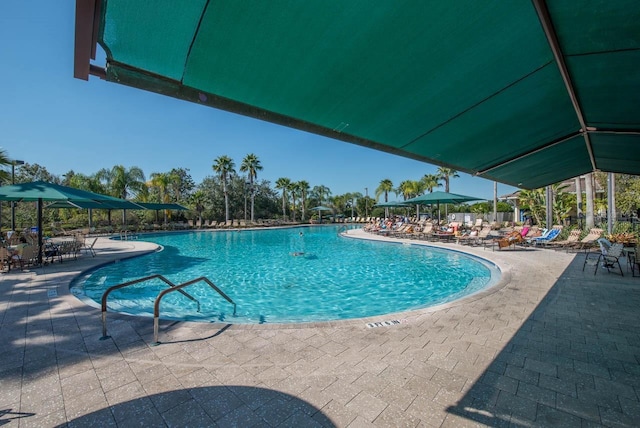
x,y
126,235
156,305
137,281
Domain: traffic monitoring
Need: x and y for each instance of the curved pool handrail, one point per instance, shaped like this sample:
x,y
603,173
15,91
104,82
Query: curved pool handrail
x,y
136,281
156,304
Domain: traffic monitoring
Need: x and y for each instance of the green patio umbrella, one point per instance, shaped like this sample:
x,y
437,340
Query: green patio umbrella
x,y
321,208
40,191
392,204
438,197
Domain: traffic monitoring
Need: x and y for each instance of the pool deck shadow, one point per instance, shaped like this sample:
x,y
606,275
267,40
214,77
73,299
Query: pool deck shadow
x,y
550,345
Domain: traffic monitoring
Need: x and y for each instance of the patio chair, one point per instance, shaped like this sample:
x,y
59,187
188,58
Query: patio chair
x,y
609,256
573,238
512,238
546,238
26,256
89,248
5,259
588,241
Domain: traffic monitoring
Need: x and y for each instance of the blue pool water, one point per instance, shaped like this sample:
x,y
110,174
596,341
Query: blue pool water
x,y
282,276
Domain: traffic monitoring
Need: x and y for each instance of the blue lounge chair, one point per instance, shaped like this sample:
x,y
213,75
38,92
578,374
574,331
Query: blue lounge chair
x,y
547,237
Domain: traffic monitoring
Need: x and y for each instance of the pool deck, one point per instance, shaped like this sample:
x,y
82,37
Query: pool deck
x,y
550,345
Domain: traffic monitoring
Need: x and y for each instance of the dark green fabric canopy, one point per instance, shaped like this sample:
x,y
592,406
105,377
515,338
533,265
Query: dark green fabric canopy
x,y
68,197
527,93
392,204
41,191
159,206
440,197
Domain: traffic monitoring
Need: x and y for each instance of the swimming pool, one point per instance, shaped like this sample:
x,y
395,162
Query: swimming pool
x,y
302,274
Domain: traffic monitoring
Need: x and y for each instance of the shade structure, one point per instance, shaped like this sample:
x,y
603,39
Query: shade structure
x,y
526,93
105,205
321,208
392,204
441,197
40,191
161,206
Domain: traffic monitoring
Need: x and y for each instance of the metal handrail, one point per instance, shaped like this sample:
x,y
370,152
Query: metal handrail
x,y
137,281
156,305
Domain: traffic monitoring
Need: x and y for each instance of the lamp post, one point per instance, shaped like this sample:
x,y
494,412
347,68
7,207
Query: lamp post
x,y
13,181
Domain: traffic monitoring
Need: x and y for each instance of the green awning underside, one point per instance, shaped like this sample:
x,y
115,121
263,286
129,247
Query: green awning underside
x,y
471,85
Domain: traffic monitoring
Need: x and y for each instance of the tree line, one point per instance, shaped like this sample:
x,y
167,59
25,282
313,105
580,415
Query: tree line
x,y
237,193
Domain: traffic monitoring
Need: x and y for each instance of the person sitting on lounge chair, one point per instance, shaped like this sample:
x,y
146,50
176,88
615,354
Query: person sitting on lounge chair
x,y
512,238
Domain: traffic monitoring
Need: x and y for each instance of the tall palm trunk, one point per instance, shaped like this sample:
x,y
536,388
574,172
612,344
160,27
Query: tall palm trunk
x,y
226,199
253,197
284,206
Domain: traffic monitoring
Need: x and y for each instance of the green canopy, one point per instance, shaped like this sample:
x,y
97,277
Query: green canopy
x,y
392,204
40,191
159,206
321,208
527,93
104,205
440,197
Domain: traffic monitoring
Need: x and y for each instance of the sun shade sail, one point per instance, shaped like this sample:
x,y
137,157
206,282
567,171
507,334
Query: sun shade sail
x,y
527,93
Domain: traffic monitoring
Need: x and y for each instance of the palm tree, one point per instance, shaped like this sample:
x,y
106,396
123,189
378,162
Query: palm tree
x,y
224,166
320,192
303,186
251,165
445,174
4,160
198,200
123,182
430,182
161,181
385,187
409,189
351,201
283,184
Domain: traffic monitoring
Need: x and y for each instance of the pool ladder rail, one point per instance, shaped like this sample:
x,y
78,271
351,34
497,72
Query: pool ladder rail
x,y
156,304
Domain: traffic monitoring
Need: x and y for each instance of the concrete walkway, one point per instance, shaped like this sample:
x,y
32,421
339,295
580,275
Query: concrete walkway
x,y
551,345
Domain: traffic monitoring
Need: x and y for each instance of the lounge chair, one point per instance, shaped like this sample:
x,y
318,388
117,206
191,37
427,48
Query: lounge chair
x,y
573,238
475,237
511,239
609,256
545,238
588,241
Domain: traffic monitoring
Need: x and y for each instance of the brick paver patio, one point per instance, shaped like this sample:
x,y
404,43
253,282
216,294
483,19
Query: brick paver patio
x,y
550,346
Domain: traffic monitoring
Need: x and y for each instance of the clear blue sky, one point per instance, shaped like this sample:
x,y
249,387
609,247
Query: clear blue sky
x,y
50,118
